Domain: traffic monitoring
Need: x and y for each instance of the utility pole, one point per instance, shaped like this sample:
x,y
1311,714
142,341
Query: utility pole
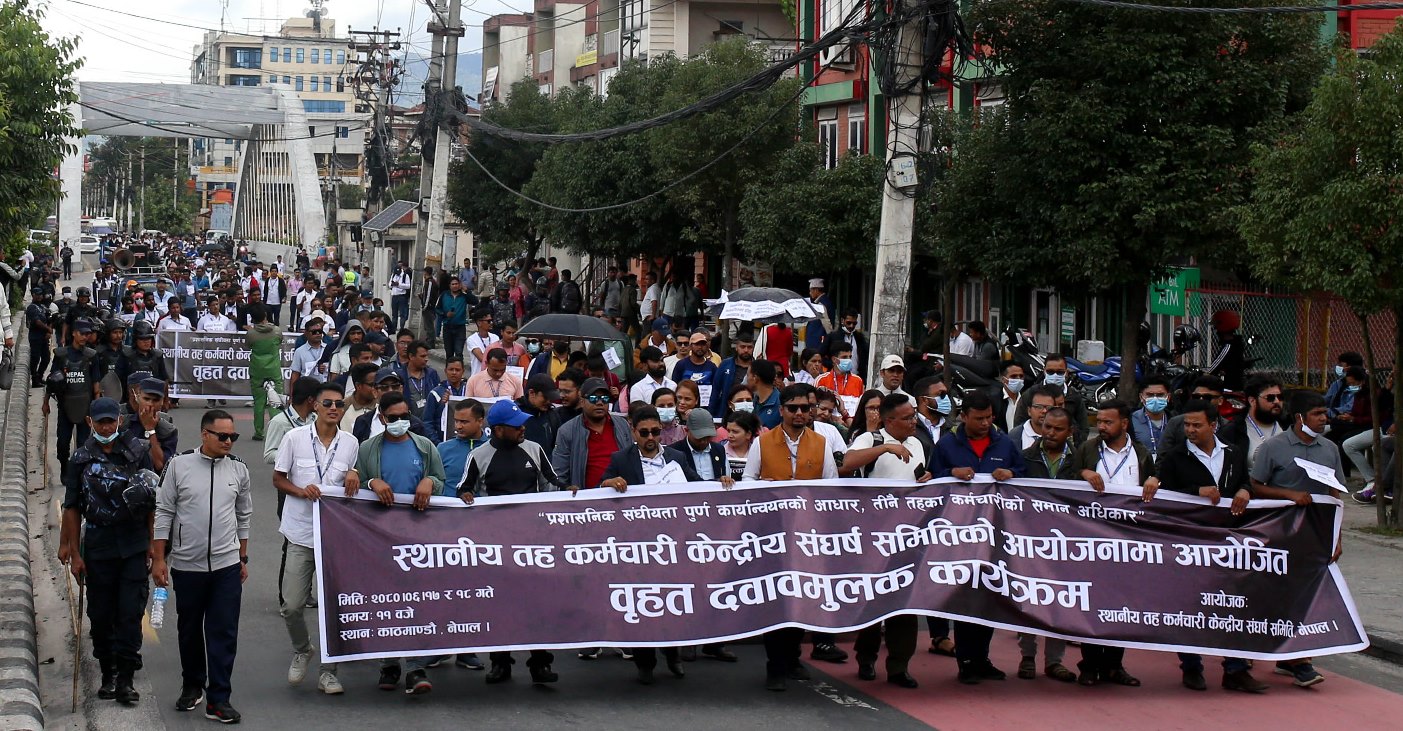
x,y
129,192
889,311
175,176
142,214
438,96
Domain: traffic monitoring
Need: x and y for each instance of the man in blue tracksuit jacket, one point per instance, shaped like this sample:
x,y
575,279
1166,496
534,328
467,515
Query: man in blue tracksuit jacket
x,y
976,447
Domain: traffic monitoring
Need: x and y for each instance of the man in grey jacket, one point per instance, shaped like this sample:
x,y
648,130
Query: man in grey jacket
x,y
586,443
203,511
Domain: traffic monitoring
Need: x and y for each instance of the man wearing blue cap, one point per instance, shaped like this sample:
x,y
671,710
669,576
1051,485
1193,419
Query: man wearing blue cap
x,y
508,464
73,382
143,420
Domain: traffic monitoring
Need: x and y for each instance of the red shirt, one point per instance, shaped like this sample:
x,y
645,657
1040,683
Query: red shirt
x,y
602,446
979,445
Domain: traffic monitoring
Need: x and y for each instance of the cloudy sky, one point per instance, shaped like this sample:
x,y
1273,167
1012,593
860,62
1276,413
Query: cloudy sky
x,y
116,46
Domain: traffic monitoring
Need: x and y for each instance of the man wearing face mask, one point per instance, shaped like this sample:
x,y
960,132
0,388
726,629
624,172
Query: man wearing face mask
x,y
855,340
112,557
1147,423
655,376
396,462
1057,374
1006,403
1338,398
735,369
842,381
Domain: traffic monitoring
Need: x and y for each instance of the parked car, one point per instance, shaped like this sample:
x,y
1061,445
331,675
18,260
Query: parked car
x,y
89,244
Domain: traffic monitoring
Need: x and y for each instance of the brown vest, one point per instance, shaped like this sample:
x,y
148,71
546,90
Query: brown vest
x,y
774,456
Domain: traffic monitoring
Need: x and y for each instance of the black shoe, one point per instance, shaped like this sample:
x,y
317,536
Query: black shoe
x,y
799,672
108,690
675,667
645,676
987,671
389,677
190,698
866,671
416,682
969,675
903,680
1194,680
721,654
543,674
499,674
689,653
1243,681
125,693
222,712
828,652
774,682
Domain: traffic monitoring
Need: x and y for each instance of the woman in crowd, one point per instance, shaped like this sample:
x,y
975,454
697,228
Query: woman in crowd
x,y
741,430
868,417
674,426
740,399
810,367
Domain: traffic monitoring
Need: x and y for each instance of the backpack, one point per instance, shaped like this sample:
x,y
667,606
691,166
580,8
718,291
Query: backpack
x,y
570,297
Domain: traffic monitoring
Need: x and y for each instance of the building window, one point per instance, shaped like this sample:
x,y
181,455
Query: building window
x,y
248,58
316,56
301,55
228,161
316,83
343,132
244,80
272,78
287,79
297,83
326,83
341,83
828,137
341,58
317,106
311,131
857,131
273,54
326,56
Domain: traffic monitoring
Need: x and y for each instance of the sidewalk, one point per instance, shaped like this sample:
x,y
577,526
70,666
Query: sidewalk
x,y
1373,566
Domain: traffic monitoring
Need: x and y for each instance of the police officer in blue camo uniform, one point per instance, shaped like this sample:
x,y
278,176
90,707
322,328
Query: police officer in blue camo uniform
x,y
112,489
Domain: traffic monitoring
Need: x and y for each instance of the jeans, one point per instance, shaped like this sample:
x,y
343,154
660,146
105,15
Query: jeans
x,y
207,609
1356,448
429,325
901,642
116,604
399,311
299,567
275,313
454,336
1190,663
1053,648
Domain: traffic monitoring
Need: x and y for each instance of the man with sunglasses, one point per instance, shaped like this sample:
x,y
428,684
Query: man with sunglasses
x,y
306,360
791,452
1262,420
203,511
315,458
367,425
398,462
585,444
361,400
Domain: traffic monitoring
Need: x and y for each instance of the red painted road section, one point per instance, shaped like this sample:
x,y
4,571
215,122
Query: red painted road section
x,y
1161,703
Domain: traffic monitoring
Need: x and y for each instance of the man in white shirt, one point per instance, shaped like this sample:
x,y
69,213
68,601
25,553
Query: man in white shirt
x,y
174,319
651,359
163,296
892,373
1112,457
400,284
306,360
960,343
1040,400
314,459
214,320
479,343
648,306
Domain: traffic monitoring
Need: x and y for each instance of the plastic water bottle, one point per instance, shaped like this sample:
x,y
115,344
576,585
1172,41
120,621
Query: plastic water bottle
x,y
158,607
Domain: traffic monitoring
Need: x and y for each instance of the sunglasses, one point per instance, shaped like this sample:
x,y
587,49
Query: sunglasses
x,y
392,419
333,403
1271,398
597,398
1208,396
222,436
655,432
310,333
798,408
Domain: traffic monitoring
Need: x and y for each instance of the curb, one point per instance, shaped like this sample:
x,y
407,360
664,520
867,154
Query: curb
x,y
1384,647
20,706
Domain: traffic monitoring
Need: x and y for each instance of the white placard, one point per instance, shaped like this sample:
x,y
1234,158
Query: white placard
x,y
705,391
517,371
1320,473
611,358
446,418
799,309
850,404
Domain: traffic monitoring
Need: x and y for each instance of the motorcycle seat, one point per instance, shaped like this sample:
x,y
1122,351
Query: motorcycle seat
x,y
1088,370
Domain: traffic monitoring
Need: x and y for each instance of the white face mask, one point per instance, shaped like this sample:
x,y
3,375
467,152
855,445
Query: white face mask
x,y
744,406
398,428
1309,431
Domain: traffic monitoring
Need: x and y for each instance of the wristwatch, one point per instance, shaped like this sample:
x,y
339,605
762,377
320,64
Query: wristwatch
x,y
149,433
244,559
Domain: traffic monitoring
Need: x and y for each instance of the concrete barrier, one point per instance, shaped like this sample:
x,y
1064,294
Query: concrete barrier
x,y
20,706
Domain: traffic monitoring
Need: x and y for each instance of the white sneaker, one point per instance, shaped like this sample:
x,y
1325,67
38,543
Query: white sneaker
x,y
328,684
298,669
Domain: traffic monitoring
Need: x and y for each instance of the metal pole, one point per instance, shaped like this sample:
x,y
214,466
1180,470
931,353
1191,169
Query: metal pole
x,y
143,187
78,643
433,178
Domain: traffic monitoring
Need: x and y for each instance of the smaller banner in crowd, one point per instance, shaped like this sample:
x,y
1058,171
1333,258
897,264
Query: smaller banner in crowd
x,y
690,564
213,365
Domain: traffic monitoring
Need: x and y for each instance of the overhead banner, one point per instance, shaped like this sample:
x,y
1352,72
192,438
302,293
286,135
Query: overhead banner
x,y
691,564
213,365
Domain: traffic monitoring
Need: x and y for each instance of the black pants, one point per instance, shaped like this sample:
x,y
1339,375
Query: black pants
x,y
938,626
207,607
538,659
901,643
646,658
39,357
275,313
1099,661
454,336
782,650
67,430
429,324
67,268
116,604
972,642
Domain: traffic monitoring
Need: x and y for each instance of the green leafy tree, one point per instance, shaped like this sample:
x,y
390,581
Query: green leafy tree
x,y
1123,146
1326,213
803,218
163,214
36,88
499,224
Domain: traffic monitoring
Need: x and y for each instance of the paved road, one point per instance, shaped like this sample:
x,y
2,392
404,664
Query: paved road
x,y
1362,693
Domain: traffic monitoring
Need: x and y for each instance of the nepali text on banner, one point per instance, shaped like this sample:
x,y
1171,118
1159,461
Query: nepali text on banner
x,y
213,364
691,564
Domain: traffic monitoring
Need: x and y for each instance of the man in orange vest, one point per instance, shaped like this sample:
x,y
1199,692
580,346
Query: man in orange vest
x,y
792,452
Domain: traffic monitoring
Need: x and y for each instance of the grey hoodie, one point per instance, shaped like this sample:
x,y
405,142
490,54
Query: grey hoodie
x,y
203,508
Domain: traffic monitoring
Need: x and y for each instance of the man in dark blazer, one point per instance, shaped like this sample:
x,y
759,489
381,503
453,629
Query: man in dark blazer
x,y
847,332
705,458
429,293
1203,465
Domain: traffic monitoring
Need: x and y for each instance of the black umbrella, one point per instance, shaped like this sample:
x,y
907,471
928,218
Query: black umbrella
x,y
765,304
570,327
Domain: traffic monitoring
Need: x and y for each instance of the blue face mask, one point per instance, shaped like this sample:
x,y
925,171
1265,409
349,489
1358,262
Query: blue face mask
x,y
1339,371
108,439
845,365
667,415
1353,389
1015,385
1055,379
1156,404
942,404
533,348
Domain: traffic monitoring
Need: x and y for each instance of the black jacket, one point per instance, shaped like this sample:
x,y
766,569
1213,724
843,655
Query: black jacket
x,y
1180,471
682,452
859,354
1033,459
628,464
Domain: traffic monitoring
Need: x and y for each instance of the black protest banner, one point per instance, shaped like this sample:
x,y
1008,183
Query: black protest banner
x,y
213,365
689,564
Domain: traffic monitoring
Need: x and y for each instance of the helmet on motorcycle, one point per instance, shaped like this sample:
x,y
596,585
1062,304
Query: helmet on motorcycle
x,y
1226,321
1186,337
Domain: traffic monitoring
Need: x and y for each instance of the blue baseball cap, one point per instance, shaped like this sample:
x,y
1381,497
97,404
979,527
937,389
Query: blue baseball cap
x,y
104,408
506,413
